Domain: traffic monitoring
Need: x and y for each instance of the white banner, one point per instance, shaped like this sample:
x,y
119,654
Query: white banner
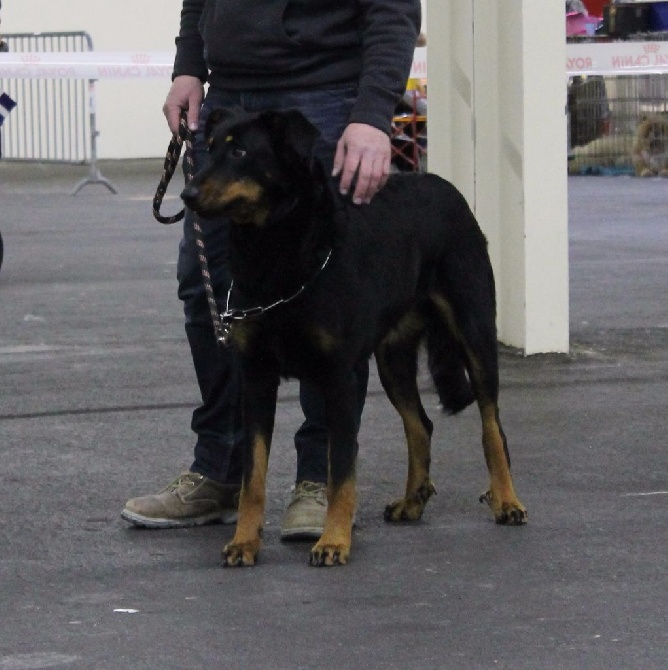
x,y
419,69
612,58
114,65
87,65
615,58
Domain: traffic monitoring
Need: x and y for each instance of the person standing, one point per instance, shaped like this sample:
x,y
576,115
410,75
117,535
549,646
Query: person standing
x,y
344,64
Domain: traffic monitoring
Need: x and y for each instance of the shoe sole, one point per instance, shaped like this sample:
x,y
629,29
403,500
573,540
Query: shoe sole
x,y
297,534
227,518
306,532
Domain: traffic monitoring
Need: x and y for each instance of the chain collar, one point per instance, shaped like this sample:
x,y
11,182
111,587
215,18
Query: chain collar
x,y
230,315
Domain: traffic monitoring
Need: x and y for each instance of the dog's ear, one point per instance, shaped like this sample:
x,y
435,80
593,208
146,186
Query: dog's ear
x,y
294,132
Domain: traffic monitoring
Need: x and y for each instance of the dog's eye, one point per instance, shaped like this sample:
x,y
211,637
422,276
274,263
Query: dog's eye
x,y
238,152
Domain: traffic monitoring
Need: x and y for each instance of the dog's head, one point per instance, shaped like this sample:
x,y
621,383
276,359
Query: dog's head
x,y
652,134
258,164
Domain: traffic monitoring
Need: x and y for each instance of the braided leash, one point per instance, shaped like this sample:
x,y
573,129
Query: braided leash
x,y
184,135
222,323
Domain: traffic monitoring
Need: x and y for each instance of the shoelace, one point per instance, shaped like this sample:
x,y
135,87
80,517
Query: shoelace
x,y
187,479
311,490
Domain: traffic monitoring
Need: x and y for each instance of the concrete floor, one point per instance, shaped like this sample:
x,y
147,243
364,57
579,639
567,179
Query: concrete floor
x,y
95,404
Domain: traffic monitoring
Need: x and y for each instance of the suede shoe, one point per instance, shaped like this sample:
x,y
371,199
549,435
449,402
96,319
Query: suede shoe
x,y
190,500
305,516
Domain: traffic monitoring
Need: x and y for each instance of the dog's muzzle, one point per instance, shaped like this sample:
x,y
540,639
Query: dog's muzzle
x,y
189,195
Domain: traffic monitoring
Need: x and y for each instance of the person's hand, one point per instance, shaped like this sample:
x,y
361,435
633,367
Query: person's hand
x,y
363,151
186,93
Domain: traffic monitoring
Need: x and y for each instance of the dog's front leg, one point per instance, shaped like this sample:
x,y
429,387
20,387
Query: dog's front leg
x,y
259,408
333,547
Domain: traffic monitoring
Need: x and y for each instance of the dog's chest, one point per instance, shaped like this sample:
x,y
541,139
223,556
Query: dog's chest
x,y
299,348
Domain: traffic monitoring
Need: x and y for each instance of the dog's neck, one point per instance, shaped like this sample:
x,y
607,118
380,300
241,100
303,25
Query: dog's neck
x,y
272,261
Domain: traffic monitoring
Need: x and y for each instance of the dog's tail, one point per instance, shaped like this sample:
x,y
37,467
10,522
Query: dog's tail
x,y
445,359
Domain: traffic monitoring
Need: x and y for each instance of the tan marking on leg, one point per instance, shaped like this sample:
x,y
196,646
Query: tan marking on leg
x,y
501,495
245,545
333,547
419,487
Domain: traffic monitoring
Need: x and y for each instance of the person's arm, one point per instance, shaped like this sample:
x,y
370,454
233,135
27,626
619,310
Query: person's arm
x,y
390,32
190,71
189,44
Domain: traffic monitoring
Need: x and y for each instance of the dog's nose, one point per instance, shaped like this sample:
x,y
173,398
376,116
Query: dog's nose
x,y
189,194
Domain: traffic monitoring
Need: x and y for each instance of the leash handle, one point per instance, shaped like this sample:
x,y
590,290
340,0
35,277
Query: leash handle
x,y
169,167
184,135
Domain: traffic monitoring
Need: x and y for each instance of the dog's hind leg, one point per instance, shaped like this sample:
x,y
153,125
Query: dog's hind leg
x,y
475,333
396,358
500,496
259,410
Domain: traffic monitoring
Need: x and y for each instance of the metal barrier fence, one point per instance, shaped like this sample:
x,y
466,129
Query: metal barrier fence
x,y
54,120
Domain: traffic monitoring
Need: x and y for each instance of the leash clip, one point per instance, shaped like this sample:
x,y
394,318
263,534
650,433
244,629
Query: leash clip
x,y
223,333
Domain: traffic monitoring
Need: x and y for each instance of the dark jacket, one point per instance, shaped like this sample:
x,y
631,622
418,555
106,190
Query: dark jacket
x,y
288,44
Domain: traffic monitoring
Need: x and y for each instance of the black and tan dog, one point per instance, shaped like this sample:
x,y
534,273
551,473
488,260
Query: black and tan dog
x,y
320,285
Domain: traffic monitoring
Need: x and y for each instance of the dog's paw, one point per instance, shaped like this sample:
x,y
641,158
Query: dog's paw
x,y
410,508
511,513
240,554
328,555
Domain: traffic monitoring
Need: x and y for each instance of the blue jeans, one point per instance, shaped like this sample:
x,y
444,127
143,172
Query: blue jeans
x,y
217,421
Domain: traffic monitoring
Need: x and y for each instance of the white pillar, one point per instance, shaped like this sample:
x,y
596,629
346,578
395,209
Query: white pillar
x,y
497,130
